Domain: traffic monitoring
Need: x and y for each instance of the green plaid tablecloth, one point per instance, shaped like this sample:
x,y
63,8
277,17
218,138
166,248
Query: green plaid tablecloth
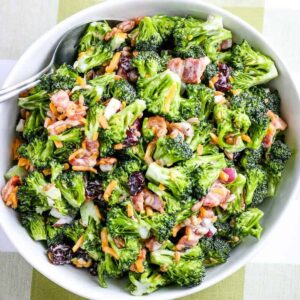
x,y
272,275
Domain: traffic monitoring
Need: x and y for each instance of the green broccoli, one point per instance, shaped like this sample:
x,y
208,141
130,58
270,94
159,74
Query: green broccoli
x,y
162,94
236,188
171,150
251,158
94,33
216,251
251,67
72,135
176,179
204,95
39,152
147,282
188,271
35,225
120,225
148,63
33,126
247,223
72,187
93,57
190,34
161,225
92,126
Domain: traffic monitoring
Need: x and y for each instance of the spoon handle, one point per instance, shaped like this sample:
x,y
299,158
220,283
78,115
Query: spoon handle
x,y
12,90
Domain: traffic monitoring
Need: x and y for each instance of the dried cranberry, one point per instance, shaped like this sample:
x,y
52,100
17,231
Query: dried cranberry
x,y
209,234
125,63
94,269
135,182
60,254
93,190
132,75
223,83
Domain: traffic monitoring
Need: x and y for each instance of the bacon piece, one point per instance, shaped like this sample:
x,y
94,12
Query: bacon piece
x,y
87,155
218,194
9,192
193,69
126,26
176,65
60,126
153,201
147,198
152,244
276,124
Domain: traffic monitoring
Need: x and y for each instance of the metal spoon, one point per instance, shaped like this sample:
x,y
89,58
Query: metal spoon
x,y
65,52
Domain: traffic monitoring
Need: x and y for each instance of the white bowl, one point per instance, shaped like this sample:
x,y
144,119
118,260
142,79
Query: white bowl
x,y
80,282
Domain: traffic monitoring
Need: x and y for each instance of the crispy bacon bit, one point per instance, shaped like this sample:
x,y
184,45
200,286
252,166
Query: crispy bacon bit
x,y
86,156
126,26
276,124
176,65
138,266
152,244
111,33
218,195
147,198
9,192
193,69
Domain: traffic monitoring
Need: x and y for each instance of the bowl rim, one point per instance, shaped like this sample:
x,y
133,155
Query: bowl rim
x,y
248,255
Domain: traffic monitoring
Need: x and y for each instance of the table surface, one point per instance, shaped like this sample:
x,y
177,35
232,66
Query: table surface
x,y
280,25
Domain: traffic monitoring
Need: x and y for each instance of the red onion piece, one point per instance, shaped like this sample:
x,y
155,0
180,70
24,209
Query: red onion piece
x,y
232,174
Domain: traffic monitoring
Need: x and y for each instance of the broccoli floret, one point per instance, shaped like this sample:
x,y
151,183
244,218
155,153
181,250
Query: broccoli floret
x,y
190,108
162,94
247,223
54,234
93,57
204,95
33,126
211,70
64,78
37,101
205,171
128,253
216,251
119,122
171,150
188,271
120,225
91,128
172,204
271,100
223,229
195,51
147,282
148,63
72,187
201,135
251,67
161,225
73,135
148,37
136,152
73,231
62,154
39,195
251,158
277,157
186,210
91,242
164,25
236,188
35,225
94,33
176,179
190,33
231,124
99,88
89,210
121,90
255,178
39,152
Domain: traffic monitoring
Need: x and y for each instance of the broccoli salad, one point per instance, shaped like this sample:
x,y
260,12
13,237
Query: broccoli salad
x,y
150,156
